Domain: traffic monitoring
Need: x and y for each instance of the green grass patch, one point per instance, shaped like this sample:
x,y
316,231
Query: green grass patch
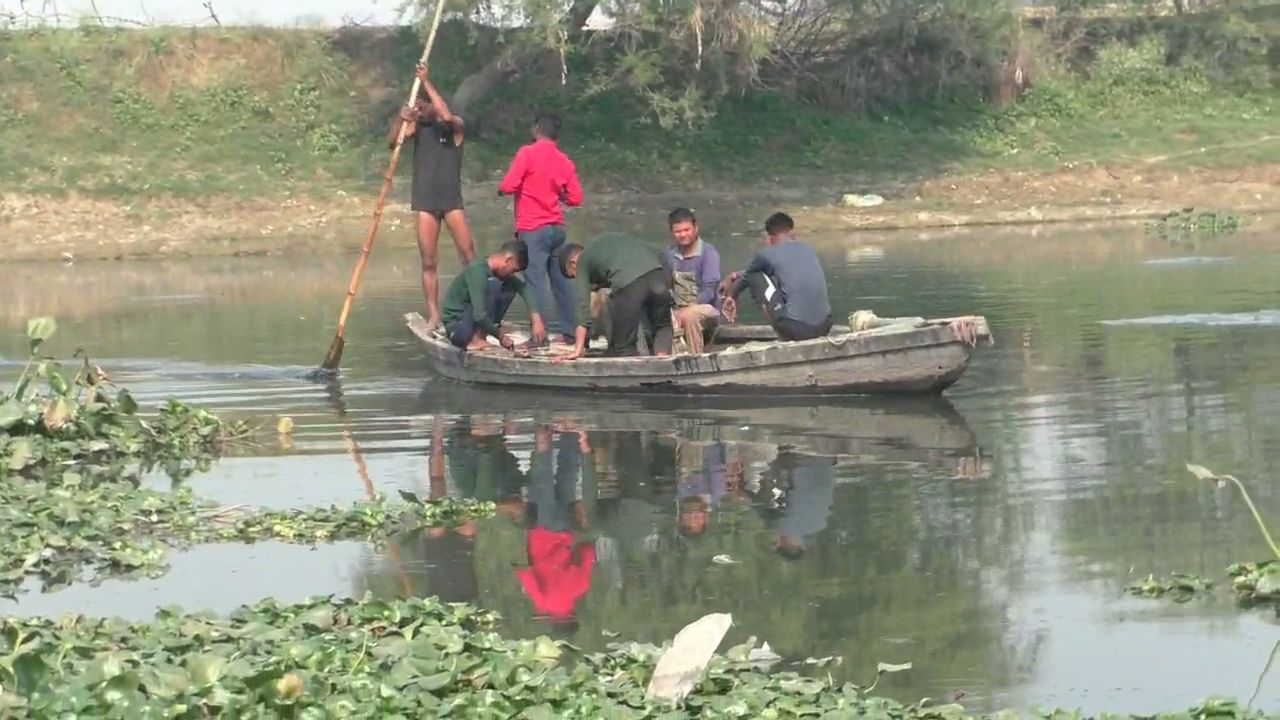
x,y
249,112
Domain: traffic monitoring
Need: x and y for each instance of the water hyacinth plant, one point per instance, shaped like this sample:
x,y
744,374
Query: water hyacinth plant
x,y
1252,581
71,506
53,422
1180,587
1185,224
410,658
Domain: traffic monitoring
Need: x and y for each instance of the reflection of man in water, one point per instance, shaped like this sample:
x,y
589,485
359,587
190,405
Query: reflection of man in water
x,y
703,481
803,488
559,572
476,462
480,463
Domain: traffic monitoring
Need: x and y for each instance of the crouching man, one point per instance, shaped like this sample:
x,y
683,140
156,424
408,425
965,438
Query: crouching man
x,y
639,294
479,297
786,280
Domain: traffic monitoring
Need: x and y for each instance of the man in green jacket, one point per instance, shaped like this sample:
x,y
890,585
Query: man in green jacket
x,y
480,296
639,296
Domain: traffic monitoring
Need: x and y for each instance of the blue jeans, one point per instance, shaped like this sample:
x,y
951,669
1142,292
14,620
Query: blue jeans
x,y
499,296
545,278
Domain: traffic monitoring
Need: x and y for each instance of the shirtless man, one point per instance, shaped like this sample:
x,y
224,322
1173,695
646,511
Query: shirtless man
x,y
437,184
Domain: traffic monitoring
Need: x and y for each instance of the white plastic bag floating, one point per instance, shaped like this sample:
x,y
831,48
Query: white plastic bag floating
x,y
682,665
860,201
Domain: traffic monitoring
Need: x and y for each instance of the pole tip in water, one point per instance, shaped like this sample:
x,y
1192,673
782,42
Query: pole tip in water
x,y
321,374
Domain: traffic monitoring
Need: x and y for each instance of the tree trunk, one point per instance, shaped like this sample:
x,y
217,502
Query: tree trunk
x,y
494,74
507,64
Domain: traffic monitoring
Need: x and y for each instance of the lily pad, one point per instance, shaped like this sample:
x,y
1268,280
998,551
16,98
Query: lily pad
x,y
1180,587
11,412
206,669
41,328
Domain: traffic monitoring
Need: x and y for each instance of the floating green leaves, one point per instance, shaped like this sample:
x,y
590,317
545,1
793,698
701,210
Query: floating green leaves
x,y
58,530
1256,582
403,658
87,424
1181,225
1253,582
1178,586
70,503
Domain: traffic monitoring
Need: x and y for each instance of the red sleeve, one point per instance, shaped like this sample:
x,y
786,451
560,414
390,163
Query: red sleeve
x,y
515,174
573,188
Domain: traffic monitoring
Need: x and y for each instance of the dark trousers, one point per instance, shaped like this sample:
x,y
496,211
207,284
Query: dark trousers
x,y
547,281
775,310
499,296
644,304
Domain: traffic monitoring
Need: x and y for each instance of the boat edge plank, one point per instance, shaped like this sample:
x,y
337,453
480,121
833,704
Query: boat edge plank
x,y
925,357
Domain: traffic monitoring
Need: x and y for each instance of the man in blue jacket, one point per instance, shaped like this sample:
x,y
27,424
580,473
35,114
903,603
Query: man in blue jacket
x,y
694,266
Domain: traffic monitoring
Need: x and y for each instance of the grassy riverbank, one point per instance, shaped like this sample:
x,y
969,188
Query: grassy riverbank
x,y
120,139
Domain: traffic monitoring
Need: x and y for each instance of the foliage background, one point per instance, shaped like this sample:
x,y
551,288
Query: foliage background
x,y
714,90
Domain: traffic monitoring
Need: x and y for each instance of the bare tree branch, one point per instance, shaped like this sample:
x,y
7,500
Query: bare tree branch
x,y
208,5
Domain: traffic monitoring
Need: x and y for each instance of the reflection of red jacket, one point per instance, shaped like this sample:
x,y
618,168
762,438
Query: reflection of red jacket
x,y
559,573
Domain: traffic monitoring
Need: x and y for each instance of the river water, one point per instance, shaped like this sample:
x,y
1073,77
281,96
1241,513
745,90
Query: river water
x,y
986,537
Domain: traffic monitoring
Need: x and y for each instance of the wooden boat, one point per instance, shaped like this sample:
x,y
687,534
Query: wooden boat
x,y
893,356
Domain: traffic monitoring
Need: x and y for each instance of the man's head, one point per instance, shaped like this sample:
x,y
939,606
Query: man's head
x,y
684,227
791,548
426,110
511,258
546,126
693,516
567,256
778,227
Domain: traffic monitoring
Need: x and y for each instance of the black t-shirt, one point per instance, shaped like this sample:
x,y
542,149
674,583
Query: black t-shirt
x,y
437,167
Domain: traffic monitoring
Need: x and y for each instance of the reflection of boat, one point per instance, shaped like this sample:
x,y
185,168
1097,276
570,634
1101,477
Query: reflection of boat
x,y
907,429
916,356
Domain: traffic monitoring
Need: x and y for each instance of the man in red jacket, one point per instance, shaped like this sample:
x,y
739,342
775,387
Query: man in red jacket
x,y
542,179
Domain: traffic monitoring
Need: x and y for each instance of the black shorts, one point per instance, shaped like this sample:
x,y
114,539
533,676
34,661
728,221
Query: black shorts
x,y
437,214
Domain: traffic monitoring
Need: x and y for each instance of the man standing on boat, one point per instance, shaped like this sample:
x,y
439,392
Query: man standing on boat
x,y
639,294
542,179
437,185
786,280
694,265
480,295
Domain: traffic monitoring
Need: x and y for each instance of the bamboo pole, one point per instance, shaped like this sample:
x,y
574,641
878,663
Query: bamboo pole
x,y
334,356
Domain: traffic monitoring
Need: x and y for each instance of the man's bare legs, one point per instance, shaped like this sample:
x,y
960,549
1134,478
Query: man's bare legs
x,y
428,239
428,249
461,233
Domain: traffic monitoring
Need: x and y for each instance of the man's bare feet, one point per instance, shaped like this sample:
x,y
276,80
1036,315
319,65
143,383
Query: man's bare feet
x,y
477,345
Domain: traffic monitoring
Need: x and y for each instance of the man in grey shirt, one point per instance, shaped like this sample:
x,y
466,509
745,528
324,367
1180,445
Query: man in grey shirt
x,y
786,281
804,491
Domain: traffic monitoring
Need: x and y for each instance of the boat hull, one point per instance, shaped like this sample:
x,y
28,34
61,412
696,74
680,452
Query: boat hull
x,y
921,360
